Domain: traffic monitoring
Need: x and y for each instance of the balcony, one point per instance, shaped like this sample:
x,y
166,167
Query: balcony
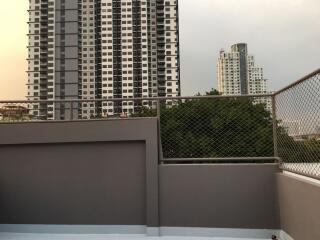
x,y
203,167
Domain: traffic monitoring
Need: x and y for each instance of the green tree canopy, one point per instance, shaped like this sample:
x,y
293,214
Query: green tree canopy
x,y
219,127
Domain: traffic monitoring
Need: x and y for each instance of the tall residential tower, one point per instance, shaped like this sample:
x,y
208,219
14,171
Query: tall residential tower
x,y
101,49
237,73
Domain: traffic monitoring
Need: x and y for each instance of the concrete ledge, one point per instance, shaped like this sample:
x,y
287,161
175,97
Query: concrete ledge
x,y
83,230
219,232
73,229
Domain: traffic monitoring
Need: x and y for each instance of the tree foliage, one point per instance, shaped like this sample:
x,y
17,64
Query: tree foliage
x,y
225,127
297,151
220,127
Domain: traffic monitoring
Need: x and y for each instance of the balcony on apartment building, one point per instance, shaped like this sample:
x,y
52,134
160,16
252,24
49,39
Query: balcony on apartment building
x,y
203,167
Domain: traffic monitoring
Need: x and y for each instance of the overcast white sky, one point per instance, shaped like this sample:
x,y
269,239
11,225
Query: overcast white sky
x,y
284,36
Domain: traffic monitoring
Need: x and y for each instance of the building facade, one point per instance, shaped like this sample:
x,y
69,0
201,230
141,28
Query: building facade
x,y
237,73
101,49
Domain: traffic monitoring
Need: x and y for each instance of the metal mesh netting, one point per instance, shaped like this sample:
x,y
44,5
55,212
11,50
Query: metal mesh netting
x,y
69,110
298,131
26,111
13,112
217,127
197,127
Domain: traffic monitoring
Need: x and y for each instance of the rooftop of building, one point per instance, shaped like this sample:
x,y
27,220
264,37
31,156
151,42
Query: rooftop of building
x,y
206,167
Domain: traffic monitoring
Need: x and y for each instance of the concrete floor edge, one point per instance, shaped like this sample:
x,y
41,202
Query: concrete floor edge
x,y
144,230
285,236
219,232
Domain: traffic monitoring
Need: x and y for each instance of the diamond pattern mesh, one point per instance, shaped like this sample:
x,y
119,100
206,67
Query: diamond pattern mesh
x,y
73,110
212,126
217,128
298,131
13,112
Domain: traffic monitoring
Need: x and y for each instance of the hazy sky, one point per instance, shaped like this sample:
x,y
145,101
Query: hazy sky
x,y
283,35
13,51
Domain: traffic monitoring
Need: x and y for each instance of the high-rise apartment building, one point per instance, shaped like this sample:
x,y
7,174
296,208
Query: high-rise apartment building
x,y
101,49
237,73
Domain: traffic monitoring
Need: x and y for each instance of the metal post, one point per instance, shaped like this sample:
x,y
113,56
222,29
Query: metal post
x,y
158,109
159,130
274,119
71,109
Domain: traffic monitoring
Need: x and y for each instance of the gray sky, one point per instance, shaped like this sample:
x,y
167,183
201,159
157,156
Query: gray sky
x,y
284,36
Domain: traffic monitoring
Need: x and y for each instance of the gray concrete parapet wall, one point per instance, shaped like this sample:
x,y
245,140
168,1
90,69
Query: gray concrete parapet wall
x,y
79,173
299,201
219,196
107,173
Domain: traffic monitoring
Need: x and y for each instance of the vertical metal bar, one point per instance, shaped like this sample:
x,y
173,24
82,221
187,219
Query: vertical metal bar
x,y
159,130
158,109
274,119
71,109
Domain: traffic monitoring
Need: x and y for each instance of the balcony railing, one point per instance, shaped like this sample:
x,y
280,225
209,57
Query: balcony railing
x,y
297,108
282,127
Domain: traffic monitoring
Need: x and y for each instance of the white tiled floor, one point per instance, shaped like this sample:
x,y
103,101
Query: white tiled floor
x,y
23,236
